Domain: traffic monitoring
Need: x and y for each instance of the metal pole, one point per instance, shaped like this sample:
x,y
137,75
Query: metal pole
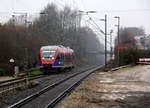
x,y
26,66
118,30
26,51
105,41
111,53
13,19
118,53
144,42
118,41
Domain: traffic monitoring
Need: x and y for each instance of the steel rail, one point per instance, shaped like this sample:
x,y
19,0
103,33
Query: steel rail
x,y
18,80
10,89
14,79
44,90
54,102
5,81
7,86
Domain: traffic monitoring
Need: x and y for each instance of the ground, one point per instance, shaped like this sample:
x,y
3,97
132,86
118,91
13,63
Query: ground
x,y
124,88
2,78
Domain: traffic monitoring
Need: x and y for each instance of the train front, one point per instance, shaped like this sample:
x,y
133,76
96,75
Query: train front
x,y
47,57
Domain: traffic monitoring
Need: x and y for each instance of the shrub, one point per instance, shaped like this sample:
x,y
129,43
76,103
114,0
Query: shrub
x,y
131,56
2,72
6,70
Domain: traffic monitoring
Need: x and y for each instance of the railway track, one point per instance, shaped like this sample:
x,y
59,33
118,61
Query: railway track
x,y
9,85
49,96
19,78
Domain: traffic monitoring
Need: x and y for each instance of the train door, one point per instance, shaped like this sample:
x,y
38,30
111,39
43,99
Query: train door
x,y
62,58
59,60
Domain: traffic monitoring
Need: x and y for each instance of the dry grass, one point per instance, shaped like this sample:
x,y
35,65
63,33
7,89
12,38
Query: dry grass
x,y
94,92
5,78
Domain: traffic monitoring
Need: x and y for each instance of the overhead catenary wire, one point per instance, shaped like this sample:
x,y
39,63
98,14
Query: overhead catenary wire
x,y
88,25
90,18
97,27
124,11
103,11
98,34
60,3
97,30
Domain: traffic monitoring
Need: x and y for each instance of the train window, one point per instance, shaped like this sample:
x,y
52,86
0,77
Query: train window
x,y
68,57
48,53
65,57
71,56
62,56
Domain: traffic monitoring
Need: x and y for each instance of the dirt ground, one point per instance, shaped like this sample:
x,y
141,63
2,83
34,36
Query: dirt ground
x,y
124,88
5,78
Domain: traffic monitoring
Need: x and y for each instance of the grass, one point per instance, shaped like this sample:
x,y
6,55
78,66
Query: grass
x,y
5,77
37,72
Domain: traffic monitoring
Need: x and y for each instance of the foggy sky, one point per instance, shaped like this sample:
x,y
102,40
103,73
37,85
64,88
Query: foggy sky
x,y
132,12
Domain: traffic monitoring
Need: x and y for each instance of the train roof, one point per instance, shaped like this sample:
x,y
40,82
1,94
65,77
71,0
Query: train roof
x,y
48,47
55,47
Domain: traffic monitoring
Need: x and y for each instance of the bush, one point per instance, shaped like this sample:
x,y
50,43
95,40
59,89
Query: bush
x,y
131,56
143,53
6,70
128,56
2,72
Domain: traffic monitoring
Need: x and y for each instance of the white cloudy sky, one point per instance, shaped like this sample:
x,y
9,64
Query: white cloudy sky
x,y
131,12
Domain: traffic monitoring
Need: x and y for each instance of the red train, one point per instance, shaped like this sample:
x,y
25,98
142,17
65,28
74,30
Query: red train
x,y
56,57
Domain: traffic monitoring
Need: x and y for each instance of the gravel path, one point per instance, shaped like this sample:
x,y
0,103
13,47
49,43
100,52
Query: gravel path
x,y
124,88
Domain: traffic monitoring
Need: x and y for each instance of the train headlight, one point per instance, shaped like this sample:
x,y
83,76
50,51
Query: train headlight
x,y
52,58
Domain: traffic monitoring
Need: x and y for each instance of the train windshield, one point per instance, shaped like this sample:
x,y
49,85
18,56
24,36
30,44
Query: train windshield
x,y
48,53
